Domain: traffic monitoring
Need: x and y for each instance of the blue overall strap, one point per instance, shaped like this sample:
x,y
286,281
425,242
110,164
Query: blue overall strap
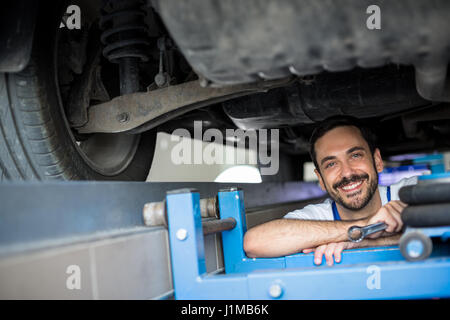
x,y
337,217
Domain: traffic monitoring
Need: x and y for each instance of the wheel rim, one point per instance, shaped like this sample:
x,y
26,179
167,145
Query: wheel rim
x,y
109,154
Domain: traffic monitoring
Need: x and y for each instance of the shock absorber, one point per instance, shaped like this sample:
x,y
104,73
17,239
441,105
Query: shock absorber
x,y
125,37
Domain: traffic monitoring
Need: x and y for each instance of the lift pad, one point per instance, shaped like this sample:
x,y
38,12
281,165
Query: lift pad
x,y
378,273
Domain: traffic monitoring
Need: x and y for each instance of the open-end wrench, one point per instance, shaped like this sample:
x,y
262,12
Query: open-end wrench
x,y
357,234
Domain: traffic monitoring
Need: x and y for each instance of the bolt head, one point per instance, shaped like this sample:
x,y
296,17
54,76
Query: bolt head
x,y
181,234
123,117
161,79
275,290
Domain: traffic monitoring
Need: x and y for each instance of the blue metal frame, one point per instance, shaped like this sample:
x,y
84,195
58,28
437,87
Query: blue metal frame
x,y
433,232
231,205
379,273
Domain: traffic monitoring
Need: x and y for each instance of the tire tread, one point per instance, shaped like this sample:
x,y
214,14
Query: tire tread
x,y
27,131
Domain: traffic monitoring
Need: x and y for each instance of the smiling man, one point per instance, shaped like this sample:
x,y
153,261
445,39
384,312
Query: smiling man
x,y
347,166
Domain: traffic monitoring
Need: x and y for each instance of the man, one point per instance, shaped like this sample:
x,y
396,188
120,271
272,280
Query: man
x,y
347,166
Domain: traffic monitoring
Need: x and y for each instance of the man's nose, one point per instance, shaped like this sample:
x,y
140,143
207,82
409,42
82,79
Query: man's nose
x,y
347,170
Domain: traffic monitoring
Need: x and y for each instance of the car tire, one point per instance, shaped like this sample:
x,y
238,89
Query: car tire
x,y
36,142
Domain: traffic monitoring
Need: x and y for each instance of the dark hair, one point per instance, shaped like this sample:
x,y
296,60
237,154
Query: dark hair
x,y
339,121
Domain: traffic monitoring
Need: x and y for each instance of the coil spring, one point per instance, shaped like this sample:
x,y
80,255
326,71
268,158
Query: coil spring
x,y
125,32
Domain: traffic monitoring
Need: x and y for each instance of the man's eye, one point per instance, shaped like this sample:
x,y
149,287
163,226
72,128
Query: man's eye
x,y
357,155
330,164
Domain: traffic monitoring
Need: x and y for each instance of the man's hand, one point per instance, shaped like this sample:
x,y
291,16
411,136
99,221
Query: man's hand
x,y
331,251
389,214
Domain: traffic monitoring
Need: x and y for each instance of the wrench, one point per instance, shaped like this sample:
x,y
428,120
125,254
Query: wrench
x,y
357,234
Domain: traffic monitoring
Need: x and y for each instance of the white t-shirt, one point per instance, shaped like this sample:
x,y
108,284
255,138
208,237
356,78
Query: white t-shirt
x,y
324,211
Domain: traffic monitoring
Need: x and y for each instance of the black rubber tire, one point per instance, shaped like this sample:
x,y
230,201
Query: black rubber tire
x,y
35,141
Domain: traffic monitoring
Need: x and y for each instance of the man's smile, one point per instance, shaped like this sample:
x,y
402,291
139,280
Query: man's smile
x,y
351,187
354,192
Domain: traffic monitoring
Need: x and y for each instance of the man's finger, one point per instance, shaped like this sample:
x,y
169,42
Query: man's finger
x,y
309,250
392,223
393,207
395,210
329,251
399,223
376,235
383,215
338,250
318,253
398,205
386,217
404,205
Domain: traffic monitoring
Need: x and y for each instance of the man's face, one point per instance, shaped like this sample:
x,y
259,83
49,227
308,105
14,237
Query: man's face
x,y
348,170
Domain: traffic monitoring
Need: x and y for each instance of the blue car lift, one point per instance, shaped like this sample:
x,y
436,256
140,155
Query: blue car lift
x,y
373,273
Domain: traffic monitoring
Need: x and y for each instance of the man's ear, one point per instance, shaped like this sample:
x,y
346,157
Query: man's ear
x,y
319,176
378,160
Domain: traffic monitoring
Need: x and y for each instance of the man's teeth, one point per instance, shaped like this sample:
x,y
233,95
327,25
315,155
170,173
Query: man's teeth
x,y
352,186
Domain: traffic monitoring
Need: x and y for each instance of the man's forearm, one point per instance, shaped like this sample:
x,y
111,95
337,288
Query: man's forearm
x,y
379,242
287,236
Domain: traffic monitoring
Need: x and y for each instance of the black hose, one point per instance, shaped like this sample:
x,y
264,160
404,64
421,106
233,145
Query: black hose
x,y
430,215
425,193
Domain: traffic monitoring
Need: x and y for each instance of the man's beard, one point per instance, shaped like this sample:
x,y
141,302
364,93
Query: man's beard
x,y
373,185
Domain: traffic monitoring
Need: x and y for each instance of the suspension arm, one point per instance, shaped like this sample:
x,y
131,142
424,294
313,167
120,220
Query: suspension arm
x,y
131,111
